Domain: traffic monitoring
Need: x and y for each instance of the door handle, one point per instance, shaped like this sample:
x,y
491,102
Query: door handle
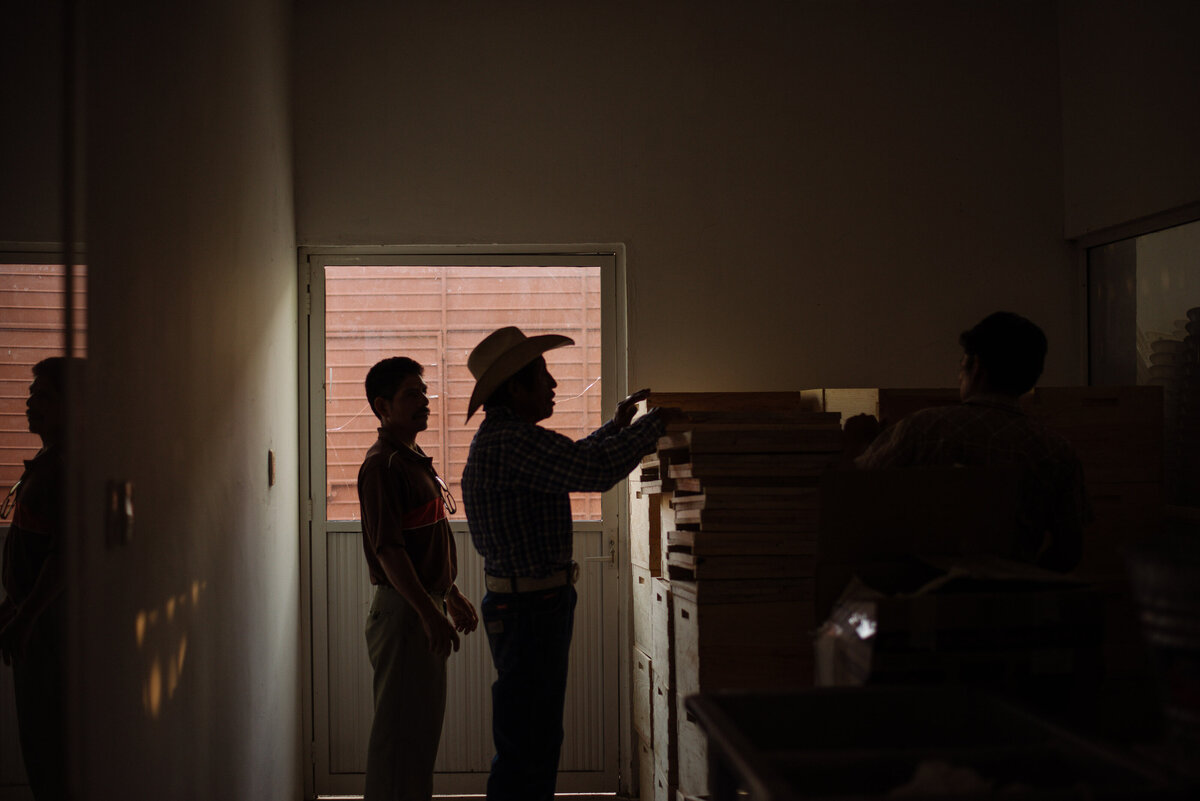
x,y
612,554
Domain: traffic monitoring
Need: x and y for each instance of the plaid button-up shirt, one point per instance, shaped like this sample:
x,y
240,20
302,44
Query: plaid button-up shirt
x,y
518,479
986,432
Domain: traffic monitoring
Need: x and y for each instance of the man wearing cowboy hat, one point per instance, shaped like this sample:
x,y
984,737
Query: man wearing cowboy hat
x,y
516,488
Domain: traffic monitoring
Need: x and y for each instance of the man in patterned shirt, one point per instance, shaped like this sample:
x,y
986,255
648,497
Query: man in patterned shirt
x,y
516,487
1002,359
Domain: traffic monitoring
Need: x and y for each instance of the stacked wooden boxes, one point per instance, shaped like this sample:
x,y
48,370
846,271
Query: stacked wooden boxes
x,y
644,554
738,518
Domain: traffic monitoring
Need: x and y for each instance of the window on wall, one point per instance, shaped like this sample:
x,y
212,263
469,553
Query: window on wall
x,y
436,313
1144,321
32,327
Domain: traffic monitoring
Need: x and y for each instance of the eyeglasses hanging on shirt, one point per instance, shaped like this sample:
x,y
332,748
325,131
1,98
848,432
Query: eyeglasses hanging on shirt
x,y
10,500
447,498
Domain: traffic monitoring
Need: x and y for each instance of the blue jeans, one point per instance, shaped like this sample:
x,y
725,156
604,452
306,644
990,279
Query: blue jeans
x,y
530,636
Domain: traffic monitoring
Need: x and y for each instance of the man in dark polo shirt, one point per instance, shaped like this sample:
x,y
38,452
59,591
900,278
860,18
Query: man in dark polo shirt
x,y
31,617
413,563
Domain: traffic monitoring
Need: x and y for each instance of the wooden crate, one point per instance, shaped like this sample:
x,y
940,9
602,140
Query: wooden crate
x,y
662,624
643,695
751,498
742,543
643,609
886,405
766,469
818,432
664,787
729,401
666,523
683,566
763,640
645,769
693,753
645,526
666,740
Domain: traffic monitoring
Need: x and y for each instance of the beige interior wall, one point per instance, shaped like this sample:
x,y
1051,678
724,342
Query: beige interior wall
x,y
30,138
189,632
1131,120
811,193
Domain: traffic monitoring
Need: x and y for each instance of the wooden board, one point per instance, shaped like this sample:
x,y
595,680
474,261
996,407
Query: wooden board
x,y
666,738
664,786
643,694
745,543
643,609
728,401
797,589
756,645
749,519
723,497
692,753
765,468
748,438
662,655
645,769
645,531
886,404
690,567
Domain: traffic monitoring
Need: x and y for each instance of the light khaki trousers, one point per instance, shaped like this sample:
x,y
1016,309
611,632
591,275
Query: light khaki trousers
x,y
410,701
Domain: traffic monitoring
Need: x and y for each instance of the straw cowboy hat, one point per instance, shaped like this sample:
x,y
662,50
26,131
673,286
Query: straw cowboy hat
x,y
500,355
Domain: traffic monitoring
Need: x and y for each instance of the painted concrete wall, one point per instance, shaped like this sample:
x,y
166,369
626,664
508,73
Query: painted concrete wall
x,y
30,139
1131,119
812,193
189,632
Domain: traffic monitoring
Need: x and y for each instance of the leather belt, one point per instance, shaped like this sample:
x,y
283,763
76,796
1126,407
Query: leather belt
x,y
565,576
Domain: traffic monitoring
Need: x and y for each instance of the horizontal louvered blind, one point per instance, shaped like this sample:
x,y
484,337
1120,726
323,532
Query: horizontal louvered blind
x,y
436,315
31,329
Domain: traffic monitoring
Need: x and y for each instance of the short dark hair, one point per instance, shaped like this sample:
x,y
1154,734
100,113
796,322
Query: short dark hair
x,y
58,371
1011,348
525,377
386,376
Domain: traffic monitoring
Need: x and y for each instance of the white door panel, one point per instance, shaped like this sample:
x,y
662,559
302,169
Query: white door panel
x,y
466,748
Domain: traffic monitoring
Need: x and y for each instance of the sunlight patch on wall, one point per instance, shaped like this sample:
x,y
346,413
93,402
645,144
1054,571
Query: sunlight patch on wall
x,y
162,639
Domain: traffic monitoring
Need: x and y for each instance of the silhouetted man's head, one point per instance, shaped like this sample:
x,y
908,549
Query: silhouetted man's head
x,y
385,378
46,407
1006,351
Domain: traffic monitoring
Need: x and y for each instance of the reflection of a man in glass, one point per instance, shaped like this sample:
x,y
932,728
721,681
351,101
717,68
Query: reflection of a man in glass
x,y
31,617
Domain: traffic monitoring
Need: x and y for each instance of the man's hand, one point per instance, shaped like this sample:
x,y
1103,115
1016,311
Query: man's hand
x,y
462,613
439,631
627,408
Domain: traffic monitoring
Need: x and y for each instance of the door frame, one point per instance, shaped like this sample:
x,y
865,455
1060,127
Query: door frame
x,y
615,502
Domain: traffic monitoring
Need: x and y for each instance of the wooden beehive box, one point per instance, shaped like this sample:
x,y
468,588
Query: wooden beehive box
x,y
643,695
